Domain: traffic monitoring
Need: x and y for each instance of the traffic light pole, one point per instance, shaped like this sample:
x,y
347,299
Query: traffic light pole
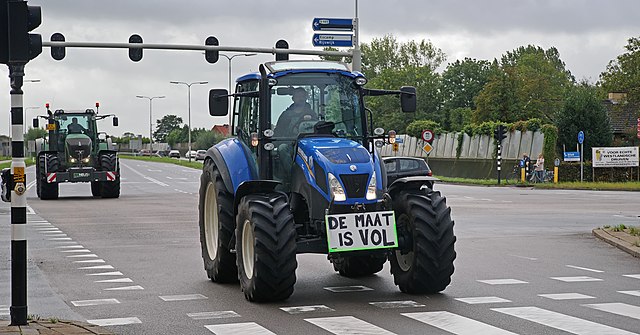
x,y
18,307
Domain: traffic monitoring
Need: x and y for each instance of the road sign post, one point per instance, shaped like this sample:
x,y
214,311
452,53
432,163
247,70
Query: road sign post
x,y
581,141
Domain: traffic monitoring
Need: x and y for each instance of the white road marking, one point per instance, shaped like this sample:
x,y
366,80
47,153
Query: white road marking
x,y
525,257
117,280
90,261
633,276
396,304
182,297
95,302
70,247
561,321
576,279
83,256
585,269
245,328
75,250
306,309
503,281
97,267
125,288
348,325
213,315
114,322
618,308
176,178
113,273
340,289
48,229
56,234
482,300
633,293
566,296
155,181
456,324
4,310
152,170
60,239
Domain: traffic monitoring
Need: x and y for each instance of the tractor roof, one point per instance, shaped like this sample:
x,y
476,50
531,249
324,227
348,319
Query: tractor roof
x,y
282,68
86,111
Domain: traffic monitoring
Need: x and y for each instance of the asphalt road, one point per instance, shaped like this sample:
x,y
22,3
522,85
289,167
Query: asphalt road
x,y
527,264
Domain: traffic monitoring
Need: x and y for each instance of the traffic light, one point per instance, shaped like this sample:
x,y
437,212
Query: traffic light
x,y
135,54
210,55
500,133
282,44
22,19
57,53
4,33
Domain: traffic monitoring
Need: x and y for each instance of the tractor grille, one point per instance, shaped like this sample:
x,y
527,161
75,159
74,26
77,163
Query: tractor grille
x,y
355,184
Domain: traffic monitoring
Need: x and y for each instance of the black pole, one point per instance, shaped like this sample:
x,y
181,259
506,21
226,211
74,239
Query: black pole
x,y
18,307
499,160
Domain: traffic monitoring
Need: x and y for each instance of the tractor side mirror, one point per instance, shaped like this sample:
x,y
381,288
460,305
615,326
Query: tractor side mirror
x,y
218,102
408,99
36,123
115,121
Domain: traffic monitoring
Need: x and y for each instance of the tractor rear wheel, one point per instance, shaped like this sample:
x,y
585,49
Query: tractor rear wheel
x,y
424,264
358,266
266,247
47,163
95,188
216,222
110,189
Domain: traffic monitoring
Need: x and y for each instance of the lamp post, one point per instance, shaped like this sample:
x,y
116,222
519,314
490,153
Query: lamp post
x,y
230,58
24,124
150,117
189,119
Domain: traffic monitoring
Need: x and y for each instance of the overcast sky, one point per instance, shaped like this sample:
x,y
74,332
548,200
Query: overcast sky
x,y
588,34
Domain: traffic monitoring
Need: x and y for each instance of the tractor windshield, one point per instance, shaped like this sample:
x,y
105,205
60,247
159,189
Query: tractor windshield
x,y
74,123
301,100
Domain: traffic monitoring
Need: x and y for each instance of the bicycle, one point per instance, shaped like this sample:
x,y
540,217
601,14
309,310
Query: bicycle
x,y
547,176
513,176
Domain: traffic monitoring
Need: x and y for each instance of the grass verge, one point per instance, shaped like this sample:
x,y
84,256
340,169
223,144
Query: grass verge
x,y
192,164
599,186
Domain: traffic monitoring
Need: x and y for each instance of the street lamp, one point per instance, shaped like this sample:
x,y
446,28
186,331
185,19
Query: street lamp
x,y
24,123
189,120
230,58
150,117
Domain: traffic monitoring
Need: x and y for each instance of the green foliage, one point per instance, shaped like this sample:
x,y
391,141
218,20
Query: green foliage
x,y
461,83
165,125
34,133
178,135
583,111
623,73
206,140
549,146
457,118
415,128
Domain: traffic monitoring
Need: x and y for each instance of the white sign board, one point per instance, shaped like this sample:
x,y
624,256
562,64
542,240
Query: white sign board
x,y
361,231
615,156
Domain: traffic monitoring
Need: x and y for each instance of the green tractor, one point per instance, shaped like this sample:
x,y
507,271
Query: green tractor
x,y
74,152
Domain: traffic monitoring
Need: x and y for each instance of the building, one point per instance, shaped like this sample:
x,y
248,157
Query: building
x,y
222,130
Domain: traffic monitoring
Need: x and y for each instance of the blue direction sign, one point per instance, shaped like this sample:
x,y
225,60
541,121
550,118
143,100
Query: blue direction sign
x,y
580,137
332,24
332,40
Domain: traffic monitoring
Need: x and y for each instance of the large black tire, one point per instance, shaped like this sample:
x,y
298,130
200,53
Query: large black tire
x,y
95,188
424,264
358,266
216,222
47,163
266,247
110,189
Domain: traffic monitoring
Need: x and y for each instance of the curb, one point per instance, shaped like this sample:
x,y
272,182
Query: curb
x,y
617,242
57,327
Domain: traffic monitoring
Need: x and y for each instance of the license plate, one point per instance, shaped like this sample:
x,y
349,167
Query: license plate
x,y
361,231
81,175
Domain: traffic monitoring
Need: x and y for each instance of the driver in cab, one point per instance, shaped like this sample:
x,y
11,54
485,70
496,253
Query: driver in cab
x,y
74,127
296,113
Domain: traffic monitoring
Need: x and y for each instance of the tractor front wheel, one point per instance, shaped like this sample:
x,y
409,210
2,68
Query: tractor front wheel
x,y
216,226
266,247
423,263
47,164
95,188
110,189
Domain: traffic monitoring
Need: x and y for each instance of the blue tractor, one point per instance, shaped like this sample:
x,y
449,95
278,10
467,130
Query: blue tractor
x,y
302,175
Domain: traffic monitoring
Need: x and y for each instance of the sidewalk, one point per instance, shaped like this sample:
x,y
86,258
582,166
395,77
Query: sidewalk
x,y
52,327
620,240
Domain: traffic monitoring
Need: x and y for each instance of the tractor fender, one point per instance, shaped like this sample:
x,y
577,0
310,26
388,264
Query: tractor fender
x,y
254,187
233,153
411,183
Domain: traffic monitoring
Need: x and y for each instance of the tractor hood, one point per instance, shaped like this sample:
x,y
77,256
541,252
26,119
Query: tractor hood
x,y
78,145
348,161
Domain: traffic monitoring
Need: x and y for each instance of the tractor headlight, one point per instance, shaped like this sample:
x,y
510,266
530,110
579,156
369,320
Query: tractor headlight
x,y
371,189
86,160
72,160
337,192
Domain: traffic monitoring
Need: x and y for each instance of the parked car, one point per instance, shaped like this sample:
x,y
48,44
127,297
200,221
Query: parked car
x,y
201,154
190,154
398,167
145,152
174,154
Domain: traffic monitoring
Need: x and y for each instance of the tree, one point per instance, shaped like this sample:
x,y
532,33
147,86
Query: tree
x,y
34,133
178,135
584,111
165,125
531,83
206,139
623,73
